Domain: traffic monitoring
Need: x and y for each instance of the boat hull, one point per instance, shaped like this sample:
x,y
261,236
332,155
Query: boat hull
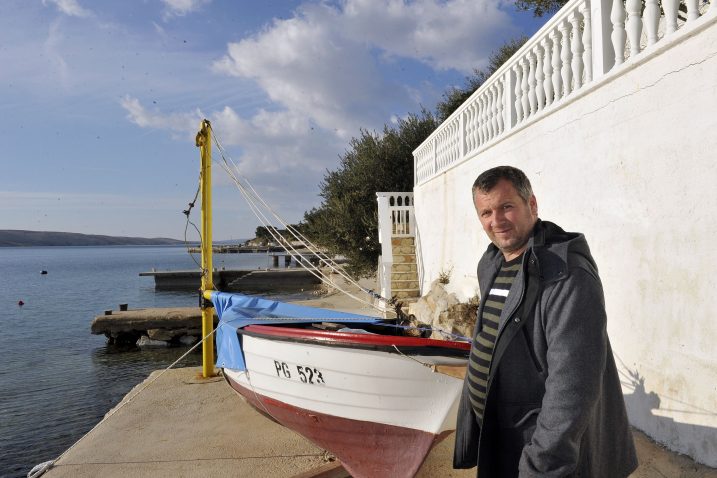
x,y
378,408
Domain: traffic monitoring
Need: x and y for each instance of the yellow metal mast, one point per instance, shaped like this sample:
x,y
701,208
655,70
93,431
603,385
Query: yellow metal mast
x,y
204,143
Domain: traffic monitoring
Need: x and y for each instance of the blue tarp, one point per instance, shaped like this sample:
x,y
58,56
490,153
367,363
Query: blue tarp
x,y
236,311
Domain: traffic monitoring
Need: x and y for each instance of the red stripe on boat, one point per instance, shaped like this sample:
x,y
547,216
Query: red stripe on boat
x,y
365,449
353,338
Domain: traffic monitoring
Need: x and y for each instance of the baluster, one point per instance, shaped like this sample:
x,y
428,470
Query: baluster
x,y
486,117
499,102
617,17
693,12
587,42
481,121
468,141
524,88
472,126
557,84
565,58
532,94
577,50
651,20
634,25
539,77
548,70
518,95
494,112
670,9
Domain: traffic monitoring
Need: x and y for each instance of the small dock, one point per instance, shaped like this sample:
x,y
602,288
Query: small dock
x,y
159,326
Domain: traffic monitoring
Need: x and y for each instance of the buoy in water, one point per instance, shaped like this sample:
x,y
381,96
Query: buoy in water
x,y
20,303
43,272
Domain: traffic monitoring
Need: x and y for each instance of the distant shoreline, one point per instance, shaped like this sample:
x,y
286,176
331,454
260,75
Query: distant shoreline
x,y
22,238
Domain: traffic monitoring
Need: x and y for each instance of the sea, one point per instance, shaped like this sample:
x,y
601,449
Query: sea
x,y
56,379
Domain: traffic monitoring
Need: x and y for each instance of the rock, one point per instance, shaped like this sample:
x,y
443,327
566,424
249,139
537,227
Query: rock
x,y
165,334
145,341
188,340
445,313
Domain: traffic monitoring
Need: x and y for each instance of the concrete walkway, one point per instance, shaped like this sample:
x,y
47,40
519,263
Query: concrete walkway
x,y
185,426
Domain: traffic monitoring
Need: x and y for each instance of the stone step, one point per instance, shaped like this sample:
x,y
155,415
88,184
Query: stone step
x,y
405,293
403,241
404,267
404,284
408,275
410,249
404,258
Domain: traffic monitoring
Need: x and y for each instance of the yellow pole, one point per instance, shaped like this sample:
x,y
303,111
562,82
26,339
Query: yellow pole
x,y
204,143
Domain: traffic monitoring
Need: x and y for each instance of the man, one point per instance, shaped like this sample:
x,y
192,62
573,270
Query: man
x,y
542,396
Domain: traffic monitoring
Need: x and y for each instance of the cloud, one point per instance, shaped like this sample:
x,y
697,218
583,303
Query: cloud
x,y
307,66
326,62
179,124
69,7
180,8
454,34
282,153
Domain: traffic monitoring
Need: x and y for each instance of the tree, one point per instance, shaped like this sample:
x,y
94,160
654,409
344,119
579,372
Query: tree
x,y
347,220
540,7
456,96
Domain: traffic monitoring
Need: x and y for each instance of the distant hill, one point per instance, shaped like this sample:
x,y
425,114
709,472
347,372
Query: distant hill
x,y
9,238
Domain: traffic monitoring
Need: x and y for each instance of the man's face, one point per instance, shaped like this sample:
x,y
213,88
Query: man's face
x,y
506,217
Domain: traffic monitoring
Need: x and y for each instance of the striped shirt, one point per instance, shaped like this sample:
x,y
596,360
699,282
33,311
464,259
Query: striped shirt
x,y
484,341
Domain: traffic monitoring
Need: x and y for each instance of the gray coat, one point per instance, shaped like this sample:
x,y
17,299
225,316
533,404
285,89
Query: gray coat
x,y
554,406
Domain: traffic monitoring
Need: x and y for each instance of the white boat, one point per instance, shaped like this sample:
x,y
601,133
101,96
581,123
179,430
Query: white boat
x,y
378,402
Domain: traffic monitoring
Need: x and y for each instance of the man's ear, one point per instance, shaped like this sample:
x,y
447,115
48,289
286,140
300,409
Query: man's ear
x,y
533,205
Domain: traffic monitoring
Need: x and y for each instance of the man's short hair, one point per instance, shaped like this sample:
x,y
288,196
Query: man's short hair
x,y
488,180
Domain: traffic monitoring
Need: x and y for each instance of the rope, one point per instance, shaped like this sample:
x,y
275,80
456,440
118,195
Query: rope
x,y
43,467
252,198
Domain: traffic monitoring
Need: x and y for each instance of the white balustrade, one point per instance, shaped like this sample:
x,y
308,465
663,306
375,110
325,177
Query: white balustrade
x,y
565,57
518,93
670,8
634,25
581,43
576,49
693,12
651,20
548,71
532,95
556,38
539,77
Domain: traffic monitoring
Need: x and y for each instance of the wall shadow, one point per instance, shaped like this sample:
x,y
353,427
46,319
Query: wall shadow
x,y
697,441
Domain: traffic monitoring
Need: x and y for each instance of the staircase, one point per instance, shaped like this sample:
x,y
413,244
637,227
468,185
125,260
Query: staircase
x,y
398,265
404,271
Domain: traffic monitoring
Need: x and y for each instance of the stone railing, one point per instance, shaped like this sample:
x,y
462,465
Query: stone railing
x,y
583,41
395,219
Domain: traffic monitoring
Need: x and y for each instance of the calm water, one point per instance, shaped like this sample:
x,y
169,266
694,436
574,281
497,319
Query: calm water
x,y
56,379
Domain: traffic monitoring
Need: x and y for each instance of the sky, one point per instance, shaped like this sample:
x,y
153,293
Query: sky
x,y
100,100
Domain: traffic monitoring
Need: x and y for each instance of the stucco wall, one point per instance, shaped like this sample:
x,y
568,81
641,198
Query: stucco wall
x,y
630,163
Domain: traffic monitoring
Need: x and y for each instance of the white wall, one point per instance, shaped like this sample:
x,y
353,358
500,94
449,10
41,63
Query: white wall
x,y
630,163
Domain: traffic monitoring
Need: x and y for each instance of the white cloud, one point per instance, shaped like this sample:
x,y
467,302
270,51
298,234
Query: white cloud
x,y
69,7
179,124
324,62
182,7
454,34
308,66
282,153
